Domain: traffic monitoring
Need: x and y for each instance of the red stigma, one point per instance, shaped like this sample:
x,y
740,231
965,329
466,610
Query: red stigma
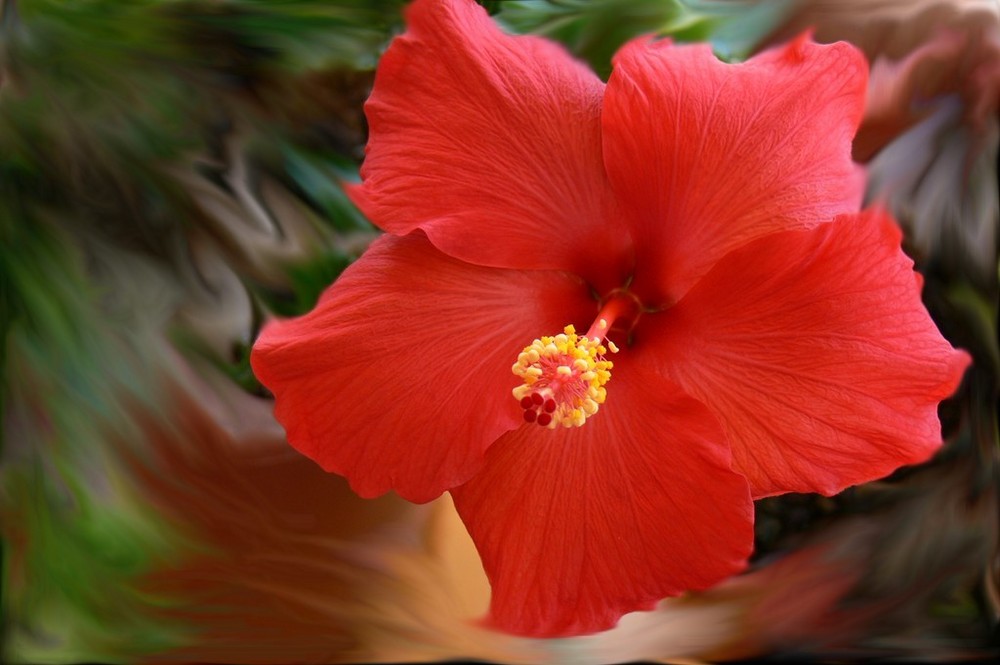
x,y
538,408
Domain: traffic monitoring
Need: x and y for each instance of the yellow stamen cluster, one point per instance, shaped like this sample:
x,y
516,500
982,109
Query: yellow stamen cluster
x,y
564,377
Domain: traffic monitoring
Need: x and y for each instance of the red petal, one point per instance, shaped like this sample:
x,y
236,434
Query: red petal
x,y
710,156
400,378
815,351
578,526
491,144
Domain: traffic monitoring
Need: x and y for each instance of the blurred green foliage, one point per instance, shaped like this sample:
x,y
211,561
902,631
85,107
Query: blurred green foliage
x,y
128,130
74,549
108,110
595,29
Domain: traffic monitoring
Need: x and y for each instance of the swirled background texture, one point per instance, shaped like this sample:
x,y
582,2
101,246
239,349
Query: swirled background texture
x,y
169,177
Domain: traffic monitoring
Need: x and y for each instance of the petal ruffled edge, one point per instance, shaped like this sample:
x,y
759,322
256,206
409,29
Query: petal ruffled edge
x,y
708,156
491,144
400,377
579,526
815,351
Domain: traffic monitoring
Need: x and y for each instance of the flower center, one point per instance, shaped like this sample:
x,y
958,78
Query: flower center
x,y
564,375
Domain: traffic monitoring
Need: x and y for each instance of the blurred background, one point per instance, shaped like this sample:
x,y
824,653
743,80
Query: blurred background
x,y
169,177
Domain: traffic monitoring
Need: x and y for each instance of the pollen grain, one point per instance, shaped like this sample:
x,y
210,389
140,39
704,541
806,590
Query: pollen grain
x,y
563,378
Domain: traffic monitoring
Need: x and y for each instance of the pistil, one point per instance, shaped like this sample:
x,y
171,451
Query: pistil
x,y
564,376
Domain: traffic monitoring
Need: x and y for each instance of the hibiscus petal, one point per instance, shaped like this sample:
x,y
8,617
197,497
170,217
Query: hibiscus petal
x,y
709,156
491,144
815,351
578,526
400,378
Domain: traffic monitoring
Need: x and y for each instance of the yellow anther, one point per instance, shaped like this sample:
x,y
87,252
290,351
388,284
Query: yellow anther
x,y
563,378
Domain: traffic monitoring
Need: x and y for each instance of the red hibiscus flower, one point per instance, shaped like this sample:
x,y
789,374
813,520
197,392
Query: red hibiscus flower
x,y
700,217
